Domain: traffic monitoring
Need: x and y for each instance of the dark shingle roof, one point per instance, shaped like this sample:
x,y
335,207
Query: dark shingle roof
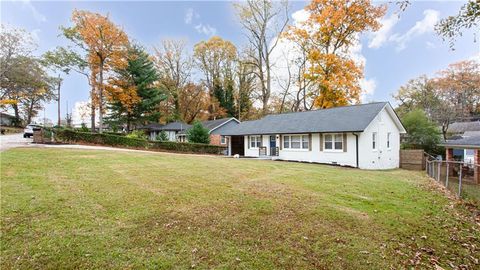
x,y
213,124
465,142
338,119
461,127
174,126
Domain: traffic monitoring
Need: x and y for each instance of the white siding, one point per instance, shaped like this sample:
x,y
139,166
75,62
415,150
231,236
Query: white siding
x,y
315,155
381,157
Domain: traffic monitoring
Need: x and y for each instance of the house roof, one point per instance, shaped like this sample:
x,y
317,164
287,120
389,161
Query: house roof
x,y
211,125
461,127
172,126
353,118
6,115
465,142
214,124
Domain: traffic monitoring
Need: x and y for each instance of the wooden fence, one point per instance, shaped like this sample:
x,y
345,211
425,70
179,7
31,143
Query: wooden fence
x,y
412,159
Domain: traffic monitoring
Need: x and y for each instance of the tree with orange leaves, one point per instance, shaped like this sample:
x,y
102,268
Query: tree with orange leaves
x,y
332,28
106,46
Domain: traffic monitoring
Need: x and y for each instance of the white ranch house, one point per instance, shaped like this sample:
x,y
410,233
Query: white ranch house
x,y
365,136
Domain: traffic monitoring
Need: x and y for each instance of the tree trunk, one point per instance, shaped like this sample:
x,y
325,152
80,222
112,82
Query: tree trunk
x,y
100,100
30,112
92,115
58,102
17,115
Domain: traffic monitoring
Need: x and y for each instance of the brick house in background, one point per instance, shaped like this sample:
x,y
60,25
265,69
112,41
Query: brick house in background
x,y
177,131
215,128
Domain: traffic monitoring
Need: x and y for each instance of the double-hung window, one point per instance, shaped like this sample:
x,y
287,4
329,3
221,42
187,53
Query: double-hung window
x,y
333,142
295,142
374,140
255,141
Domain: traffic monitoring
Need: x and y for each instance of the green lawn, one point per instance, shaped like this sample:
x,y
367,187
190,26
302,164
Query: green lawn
x,y
105,209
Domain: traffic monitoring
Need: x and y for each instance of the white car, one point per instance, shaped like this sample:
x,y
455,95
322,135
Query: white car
x,y
28,131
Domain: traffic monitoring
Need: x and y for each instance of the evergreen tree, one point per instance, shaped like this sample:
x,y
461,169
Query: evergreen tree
x,y
139,106
225,97
198,134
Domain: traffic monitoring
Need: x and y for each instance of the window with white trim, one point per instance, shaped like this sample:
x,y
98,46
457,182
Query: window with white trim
x,y
255,141
333,142
388,140
223,140
296,142
374,140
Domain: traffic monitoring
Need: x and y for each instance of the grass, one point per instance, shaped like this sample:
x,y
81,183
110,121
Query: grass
x,y
105,209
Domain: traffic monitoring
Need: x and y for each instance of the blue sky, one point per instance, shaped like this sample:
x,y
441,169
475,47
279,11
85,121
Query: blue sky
x,y
405,48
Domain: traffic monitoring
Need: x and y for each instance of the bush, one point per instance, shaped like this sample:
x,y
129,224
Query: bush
x,y
198,134
84,128
137,134
162,136
70,136
422,133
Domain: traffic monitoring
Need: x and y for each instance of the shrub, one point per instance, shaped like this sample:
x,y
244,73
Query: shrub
x,y
162,136
137,134
114,140
84,128
198,134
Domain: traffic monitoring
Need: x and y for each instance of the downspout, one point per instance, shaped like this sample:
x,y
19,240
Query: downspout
x,y
356,147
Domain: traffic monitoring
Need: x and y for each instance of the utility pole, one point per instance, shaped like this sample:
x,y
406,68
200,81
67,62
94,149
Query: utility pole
x,y
58,99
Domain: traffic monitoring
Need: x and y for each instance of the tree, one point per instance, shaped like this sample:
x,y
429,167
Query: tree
x,y
328,34
422,132
419,93
15,43
216,59
198,134
106,45
194,102
245,85
134,92
174,68
454,94
264,21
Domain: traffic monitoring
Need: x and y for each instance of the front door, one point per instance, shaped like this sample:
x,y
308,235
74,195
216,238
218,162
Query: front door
x,y
273,145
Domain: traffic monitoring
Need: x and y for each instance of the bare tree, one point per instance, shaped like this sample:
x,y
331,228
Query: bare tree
x,y
263,21
174,67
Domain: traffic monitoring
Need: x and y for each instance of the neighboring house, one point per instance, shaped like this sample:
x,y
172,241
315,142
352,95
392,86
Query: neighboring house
x,y
365,136
469,146
6,119
459,128
177,131
173,130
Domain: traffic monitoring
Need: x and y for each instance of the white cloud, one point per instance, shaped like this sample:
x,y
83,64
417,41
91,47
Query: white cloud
x,y
426,25
300,16
205,29
368,88
39,17
380,37
190,15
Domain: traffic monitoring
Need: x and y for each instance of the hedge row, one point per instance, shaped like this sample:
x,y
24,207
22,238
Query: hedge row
x,y
70,136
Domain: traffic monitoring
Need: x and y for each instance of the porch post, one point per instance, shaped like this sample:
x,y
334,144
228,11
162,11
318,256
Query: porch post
x,y
229,143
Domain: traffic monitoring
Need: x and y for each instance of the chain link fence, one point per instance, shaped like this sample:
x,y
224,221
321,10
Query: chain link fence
x,y
456,176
